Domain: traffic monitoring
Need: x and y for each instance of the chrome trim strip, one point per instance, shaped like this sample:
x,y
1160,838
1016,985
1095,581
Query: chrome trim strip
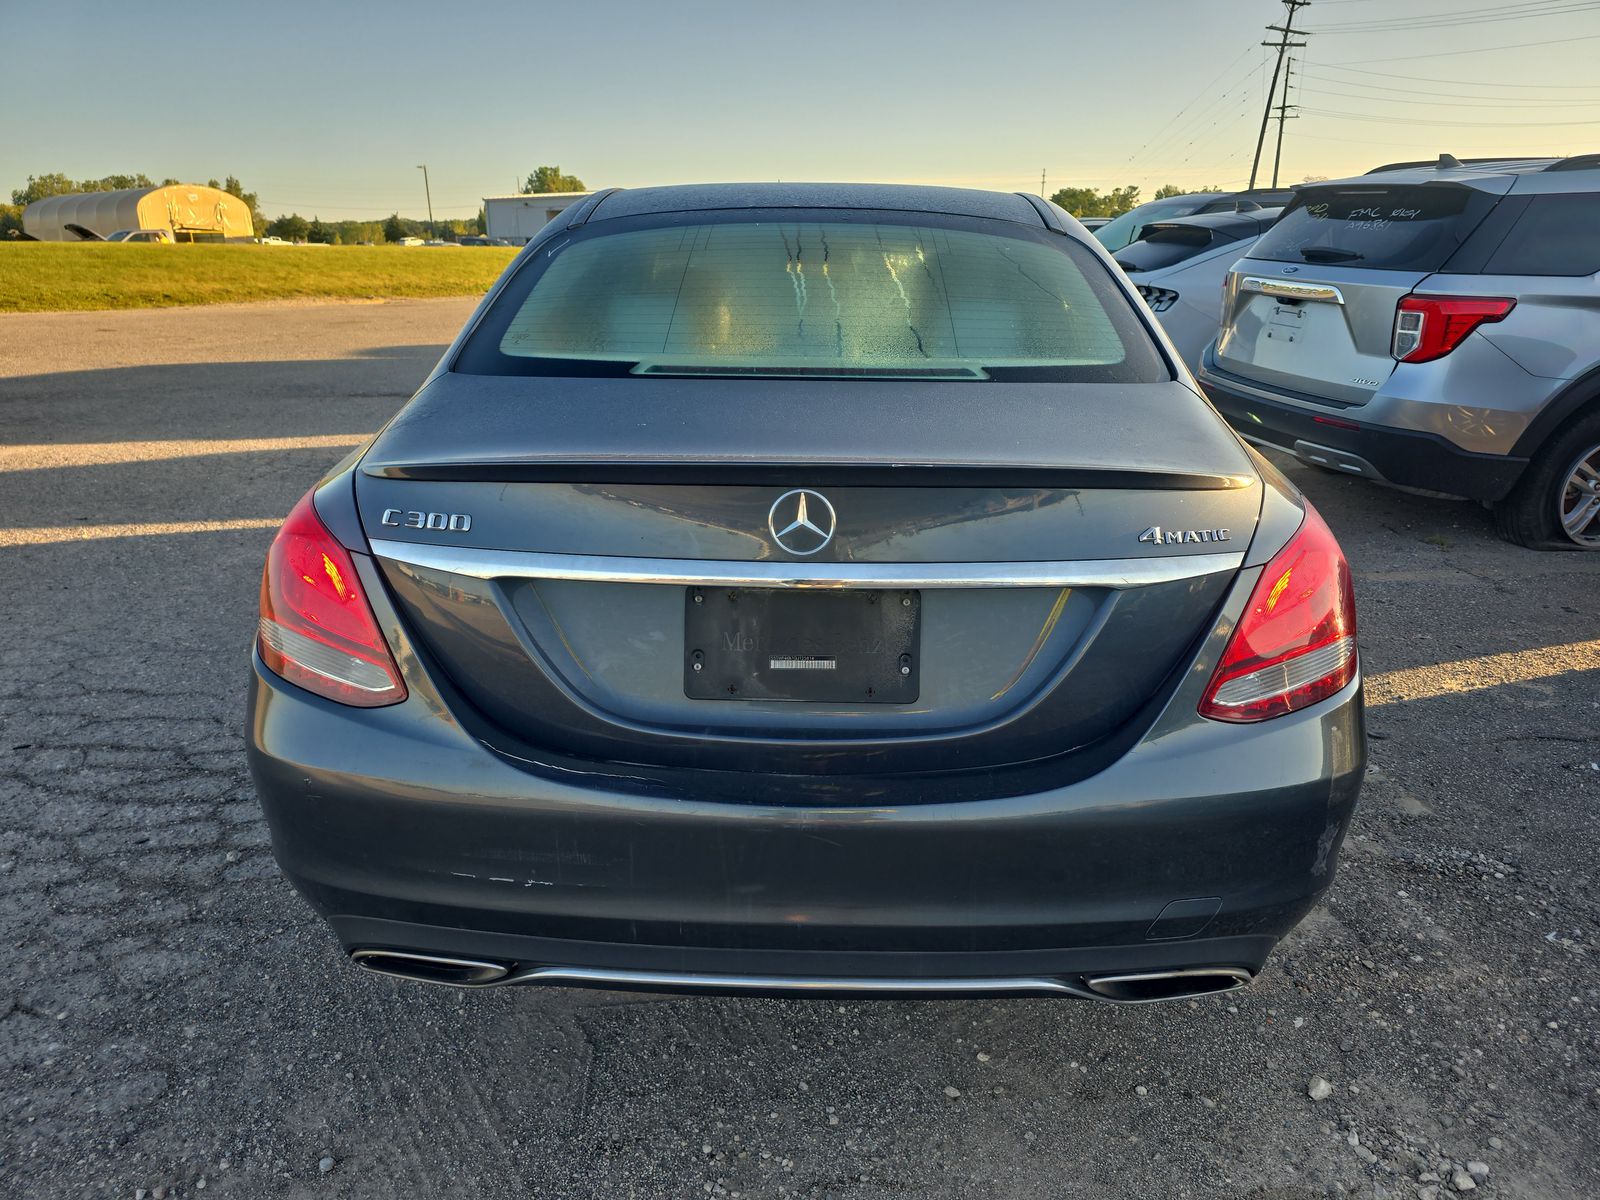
x,y
481,974
1290,290
674,980
528,564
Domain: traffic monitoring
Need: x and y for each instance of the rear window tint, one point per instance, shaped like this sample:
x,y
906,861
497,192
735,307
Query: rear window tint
x,y
1168,245
1557,235
1387,228
1260,199
839,294
1129,227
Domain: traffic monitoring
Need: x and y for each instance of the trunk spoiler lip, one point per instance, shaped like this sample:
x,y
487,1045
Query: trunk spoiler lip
x,y
784,473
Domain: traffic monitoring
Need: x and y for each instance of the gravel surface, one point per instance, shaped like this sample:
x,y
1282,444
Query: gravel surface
x,y
173,1019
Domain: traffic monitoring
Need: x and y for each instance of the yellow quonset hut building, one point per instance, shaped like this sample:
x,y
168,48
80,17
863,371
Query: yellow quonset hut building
x,y
192,213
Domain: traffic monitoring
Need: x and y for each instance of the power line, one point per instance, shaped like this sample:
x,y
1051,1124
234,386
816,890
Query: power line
x,y
1198,134
1565,87
1413,144
1528,12
317,206
1410,120
1455,13
1178,117
1586,37
1454,103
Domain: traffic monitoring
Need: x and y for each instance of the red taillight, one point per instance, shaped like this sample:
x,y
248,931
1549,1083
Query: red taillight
x,y
1295,643
317,629
1429,327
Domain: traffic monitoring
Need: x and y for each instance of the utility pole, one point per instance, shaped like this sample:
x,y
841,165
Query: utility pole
x,y
427,191
1283,115
1041,182
1282,45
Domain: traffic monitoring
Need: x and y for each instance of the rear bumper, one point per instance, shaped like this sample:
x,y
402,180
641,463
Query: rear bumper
x,y
1336,439
1200,847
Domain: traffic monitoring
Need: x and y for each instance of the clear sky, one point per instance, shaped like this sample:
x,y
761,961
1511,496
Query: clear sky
x,y
326,108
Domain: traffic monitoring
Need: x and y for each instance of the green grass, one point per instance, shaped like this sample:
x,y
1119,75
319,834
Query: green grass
x,y
72,276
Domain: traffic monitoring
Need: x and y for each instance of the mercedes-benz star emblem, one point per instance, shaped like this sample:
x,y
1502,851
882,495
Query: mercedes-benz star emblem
x,y
801,521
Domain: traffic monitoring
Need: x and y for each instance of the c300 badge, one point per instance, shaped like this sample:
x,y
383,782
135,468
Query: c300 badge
x,y
1158,536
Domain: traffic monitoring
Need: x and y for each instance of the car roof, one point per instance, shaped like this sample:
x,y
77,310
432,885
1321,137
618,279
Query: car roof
x,y
1253,194
963,202
1251,219
1448,168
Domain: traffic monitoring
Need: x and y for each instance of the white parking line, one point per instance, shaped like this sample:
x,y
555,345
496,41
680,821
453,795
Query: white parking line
x,y
43,535
43,456
1479,674
1389,687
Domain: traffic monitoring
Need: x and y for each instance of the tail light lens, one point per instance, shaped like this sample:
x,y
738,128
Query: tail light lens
x,y
1429,327
1296,640
317,629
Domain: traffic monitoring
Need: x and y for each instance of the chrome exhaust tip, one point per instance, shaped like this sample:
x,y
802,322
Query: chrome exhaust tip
x,y
430,968
1154,986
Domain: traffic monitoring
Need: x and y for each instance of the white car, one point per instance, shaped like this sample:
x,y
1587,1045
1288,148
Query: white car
x,y
1178,266
142,235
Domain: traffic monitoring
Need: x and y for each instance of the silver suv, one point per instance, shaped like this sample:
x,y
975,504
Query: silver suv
x,y
1433,325
1177,266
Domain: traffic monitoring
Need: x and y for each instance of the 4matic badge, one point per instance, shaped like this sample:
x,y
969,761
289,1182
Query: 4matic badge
x,y
1158,536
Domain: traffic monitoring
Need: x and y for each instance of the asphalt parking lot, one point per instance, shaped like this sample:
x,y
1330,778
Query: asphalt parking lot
x,y
174,1019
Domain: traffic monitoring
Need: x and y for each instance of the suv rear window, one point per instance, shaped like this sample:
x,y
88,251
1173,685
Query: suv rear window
x,y
840,294
1168,245
1129,227
1557,235
1388,228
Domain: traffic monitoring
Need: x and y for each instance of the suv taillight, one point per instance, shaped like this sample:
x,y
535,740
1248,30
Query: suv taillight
x,y
317,629
1295,643
1429,327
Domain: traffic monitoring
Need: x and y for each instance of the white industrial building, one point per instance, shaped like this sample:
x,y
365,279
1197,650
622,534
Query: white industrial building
x,y
518,218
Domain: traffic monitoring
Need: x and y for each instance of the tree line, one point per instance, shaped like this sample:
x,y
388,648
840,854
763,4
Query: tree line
x,y
1086,202
1079,201
289,226
42,187
395,228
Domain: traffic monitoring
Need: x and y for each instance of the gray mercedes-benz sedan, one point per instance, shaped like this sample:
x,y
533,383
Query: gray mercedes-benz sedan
x,y
809,588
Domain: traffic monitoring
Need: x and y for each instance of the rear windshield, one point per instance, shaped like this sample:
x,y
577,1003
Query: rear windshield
x,y
1388,228
834,294
1119,231
1231,202
1168,245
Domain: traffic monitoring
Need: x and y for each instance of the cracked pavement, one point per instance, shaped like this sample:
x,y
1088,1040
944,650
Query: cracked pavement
x,y
171,1013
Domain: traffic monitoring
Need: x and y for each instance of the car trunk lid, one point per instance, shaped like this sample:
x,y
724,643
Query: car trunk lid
x,y
1046,556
